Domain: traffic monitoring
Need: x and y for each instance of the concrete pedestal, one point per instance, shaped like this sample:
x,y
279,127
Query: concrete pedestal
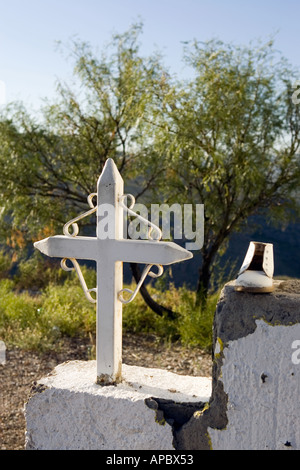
x,y
256,374
68,410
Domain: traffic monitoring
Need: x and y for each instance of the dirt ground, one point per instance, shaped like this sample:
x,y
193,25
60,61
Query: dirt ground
x,y
23,368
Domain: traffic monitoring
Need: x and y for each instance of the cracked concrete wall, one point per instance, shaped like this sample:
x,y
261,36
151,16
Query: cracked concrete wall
x,y
255,390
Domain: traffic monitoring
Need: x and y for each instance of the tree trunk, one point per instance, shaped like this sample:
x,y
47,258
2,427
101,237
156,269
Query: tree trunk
x,y
157,308
205,273
203,282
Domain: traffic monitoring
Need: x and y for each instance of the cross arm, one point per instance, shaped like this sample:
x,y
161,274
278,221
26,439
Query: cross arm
x,y
130,251
62,246
148,252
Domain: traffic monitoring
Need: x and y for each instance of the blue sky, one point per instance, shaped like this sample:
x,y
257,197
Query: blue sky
x,y
30,63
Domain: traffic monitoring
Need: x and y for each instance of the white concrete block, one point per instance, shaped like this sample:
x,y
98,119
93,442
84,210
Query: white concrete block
x,y
261,378
70,411
254,403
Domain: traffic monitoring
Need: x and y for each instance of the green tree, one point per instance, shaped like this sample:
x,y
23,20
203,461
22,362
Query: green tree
x,y
230,137
48,166
227,138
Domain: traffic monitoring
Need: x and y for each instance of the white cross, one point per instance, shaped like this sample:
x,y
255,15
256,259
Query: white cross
x,y
109,254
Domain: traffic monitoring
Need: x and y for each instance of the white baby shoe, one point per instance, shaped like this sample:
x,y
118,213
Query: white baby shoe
x,y
256,273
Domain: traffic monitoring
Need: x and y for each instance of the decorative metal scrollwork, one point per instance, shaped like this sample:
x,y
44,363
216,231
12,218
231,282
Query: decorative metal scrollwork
x,y
147,270
74,221
74,262
147,222
76,266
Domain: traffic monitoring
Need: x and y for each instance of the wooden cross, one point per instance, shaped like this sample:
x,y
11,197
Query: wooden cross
x,y
109,254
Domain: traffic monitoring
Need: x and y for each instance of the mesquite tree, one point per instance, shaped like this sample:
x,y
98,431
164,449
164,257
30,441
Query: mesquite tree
x,y
227,138
231,138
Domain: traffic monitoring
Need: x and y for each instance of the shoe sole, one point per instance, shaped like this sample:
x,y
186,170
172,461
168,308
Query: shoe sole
x,y
255,290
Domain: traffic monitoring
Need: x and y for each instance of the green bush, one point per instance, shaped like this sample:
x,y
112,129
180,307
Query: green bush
x,y
192,326
20,324
36,272
38,322
66,309
195,325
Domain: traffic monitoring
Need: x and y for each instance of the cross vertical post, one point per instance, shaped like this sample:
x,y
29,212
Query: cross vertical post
x,y
109,277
